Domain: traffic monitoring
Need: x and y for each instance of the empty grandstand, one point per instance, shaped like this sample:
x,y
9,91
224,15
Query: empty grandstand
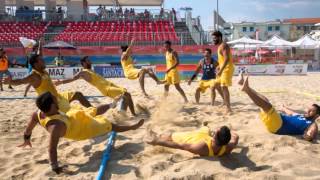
x,y
111,23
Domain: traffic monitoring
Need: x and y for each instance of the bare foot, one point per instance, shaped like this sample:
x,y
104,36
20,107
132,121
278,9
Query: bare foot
x,y
145,94
228,111
139,124
150,137
240,78
161,82
245,85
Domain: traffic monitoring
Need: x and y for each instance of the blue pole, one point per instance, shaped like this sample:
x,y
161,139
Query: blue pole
x,y
106,155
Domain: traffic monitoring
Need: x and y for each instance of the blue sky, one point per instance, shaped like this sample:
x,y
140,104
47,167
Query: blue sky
x,y
248,10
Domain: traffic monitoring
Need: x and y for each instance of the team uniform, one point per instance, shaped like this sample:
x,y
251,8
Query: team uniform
x,y
173,76
129,70
282,124
46,85
226,77
196,137
106,88
81,123
208,76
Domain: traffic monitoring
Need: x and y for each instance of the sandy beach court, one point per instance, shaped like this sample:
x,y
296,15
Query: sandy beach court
x,y
259,155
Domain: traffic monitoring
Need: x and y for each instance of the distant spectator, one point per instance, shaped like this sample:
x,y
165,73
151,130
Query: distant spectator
x,y
104,12
161,13
174,13
4,66
99,11
146,14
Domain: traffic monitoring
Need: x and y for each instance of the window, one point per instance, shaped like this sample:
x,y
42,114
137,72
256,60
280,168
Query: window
x,y
269,28
244,29
277,28
251,29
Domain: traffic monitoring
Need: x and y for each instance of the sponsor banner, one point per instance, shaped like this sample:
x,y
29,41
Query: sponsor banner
x,y
109,71
54,72
273,69
116,71
63,72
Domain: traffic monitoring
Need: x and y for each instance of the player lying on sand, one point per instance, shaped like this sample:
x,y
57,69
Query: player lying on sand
x,y
76,124
286,123
199,142
106,88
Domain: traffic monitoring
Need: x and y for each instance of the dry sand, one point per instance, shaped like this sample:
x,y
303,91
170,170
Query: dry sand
x,y
260,155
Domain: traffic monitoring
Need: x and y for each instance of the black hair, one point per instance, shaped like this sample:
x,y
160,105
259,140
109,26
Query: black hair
x,y
217,34
34,59
44,102
223,136
317,107
83,59
168,42
209,50
124,48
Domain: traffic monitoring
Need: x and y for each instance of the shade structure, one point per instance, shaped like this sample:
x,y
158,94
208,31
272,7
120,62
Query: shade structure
x,y
59,45
305,42
277,42
315,35
263,51
245,40
277,51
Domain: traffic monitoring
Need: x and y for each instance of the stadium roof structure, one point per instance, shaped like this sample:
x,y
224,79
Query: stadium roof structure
x,y
103,2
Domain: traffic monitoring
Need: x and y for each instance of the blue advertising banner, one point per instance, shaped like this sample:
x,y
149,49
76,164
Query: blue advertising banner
x,y
109,71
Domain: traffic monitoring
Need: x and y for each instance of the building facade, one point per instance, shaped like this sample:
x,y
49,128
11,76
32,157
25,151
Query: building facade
x,y
288,29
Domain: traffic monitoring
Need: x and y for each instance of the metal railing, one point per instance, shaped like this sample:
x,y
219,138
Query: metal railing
x,y
106,15
104,38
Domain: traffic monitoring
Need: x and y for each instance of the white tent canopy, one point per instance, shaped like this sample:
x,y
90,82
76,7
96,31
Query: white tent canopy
x,y
278,42
306,42
245,40
315,35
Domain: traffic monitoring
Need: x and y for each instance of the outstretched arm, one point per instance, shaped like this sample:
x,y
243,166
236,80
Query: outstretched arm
x,y
28,131
76,77
175,55
57,129
196,72
32,79
128,52
233,142
200,149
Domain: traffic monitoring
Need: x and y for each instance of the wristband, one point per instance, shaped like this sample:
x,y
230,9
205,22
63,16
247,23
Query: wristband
x,y
26,137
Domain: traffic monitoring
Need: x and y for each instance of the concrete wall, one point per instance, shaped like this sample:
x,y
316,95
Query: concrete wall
x,y
75,9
